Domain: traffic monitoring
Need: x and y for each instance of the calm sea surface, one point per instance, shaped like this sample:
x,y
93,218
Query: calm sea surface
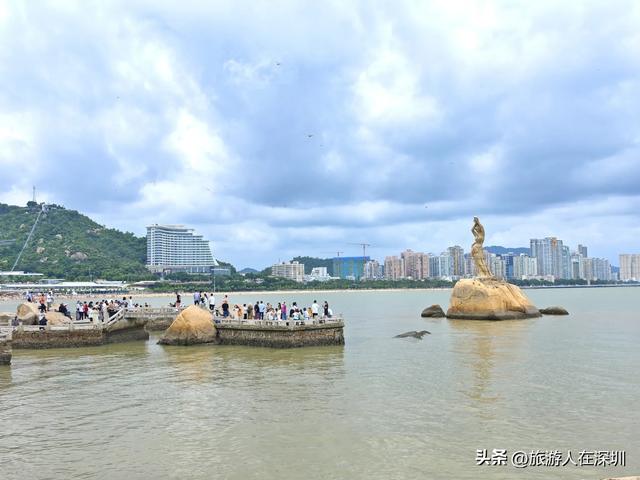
x,y
377,408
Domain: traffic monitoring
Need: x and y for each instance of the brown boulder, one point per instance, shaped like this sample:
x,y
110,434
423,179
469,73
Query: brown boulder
x,y
28,313
434,311
489,299
192,326
57,318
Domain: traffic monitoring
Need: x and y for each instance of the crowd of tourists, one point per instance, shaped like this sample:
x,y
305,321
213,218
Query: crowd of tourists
x,y
280,312
103,310
100,310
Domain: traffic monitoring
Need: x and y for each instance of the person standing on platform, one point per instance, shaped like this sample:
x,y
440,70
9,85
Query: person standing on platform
x,y
225,307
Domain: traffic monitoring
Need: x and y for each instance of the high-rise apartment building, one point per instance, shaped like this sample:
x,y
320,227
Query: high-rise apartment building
x,y
441,266
630,267
372,270
601,269
415,265
290,270
582,250
496,266
175,248
457,260
552,257
577,266
393,268
524,267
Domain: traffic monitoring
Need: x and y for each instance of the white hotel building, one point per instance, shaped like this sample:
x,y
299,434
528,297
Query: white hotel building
x,y
175,248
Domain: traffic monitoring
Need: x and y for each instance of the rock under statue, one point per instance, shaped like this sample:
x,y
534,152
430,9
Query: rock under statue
x,y
486,297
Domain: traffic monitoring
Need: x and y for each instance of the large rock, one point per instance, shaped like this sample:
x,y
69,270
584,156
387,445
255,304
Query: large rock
x,y
554,311
57,318
489,299
79,256
28,313
192,326
433,311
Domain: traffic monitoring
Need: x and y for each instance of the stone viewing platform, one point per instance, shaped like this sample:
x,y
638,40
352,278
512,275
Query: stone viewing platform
x,y
266,334
73,334
195,325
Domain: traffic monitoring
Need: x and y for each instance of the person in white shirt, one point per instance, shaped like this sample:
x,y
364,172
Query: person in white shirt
x,y
315,308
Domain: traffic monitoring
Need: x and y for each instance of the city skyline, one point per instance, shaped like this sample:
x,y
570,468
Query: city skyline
x,y
392,124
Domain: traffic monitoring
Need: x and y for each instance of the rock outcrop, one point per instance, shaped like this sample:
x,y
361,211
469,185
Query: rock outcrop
x,y
56,318
434,311
28,313
192,326
489,299
79,256
554,311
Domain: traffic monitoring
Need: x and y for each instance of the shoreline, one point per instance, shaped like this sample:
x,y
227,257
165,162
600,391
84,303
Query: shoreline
x,y
150,294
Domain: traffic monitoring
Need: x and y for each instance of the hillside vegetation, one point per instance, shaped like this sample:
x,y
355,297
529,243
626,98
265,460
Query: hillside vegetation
x,y
67,244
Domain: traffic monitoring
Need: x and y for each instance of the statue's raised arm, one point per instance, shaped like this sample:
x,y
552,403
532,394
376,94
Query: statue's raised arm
x,y
477,252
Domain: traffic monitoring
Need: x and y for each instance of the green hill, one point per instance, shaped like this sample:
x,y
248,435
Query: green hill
x,y
67,244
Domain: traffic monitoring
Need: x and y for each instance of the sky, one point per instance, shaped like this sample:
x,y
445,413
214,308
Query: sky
x,y
287,128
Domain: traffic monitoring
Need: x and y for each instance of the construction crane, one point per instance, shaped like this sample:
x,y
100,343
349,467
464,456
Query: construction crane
x,y
364,247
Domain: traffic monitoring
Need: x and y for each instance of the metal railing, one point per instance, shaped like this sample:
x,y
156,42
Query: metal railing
x,y
291,323
119,315
152,311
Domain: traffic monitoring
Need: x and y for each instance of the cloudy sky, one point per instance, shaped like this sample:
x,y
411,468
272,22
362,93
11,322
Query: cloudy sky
x,y
290,128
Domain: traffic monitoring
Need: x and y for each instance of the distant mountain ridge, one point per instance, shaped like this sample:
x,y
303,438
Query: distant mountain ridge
x,y
67,244
499,250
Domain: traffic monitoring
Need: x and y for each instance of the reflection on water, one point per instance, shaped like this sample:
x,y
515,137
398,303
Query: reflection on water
x,y
5,376
486,349
214,362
